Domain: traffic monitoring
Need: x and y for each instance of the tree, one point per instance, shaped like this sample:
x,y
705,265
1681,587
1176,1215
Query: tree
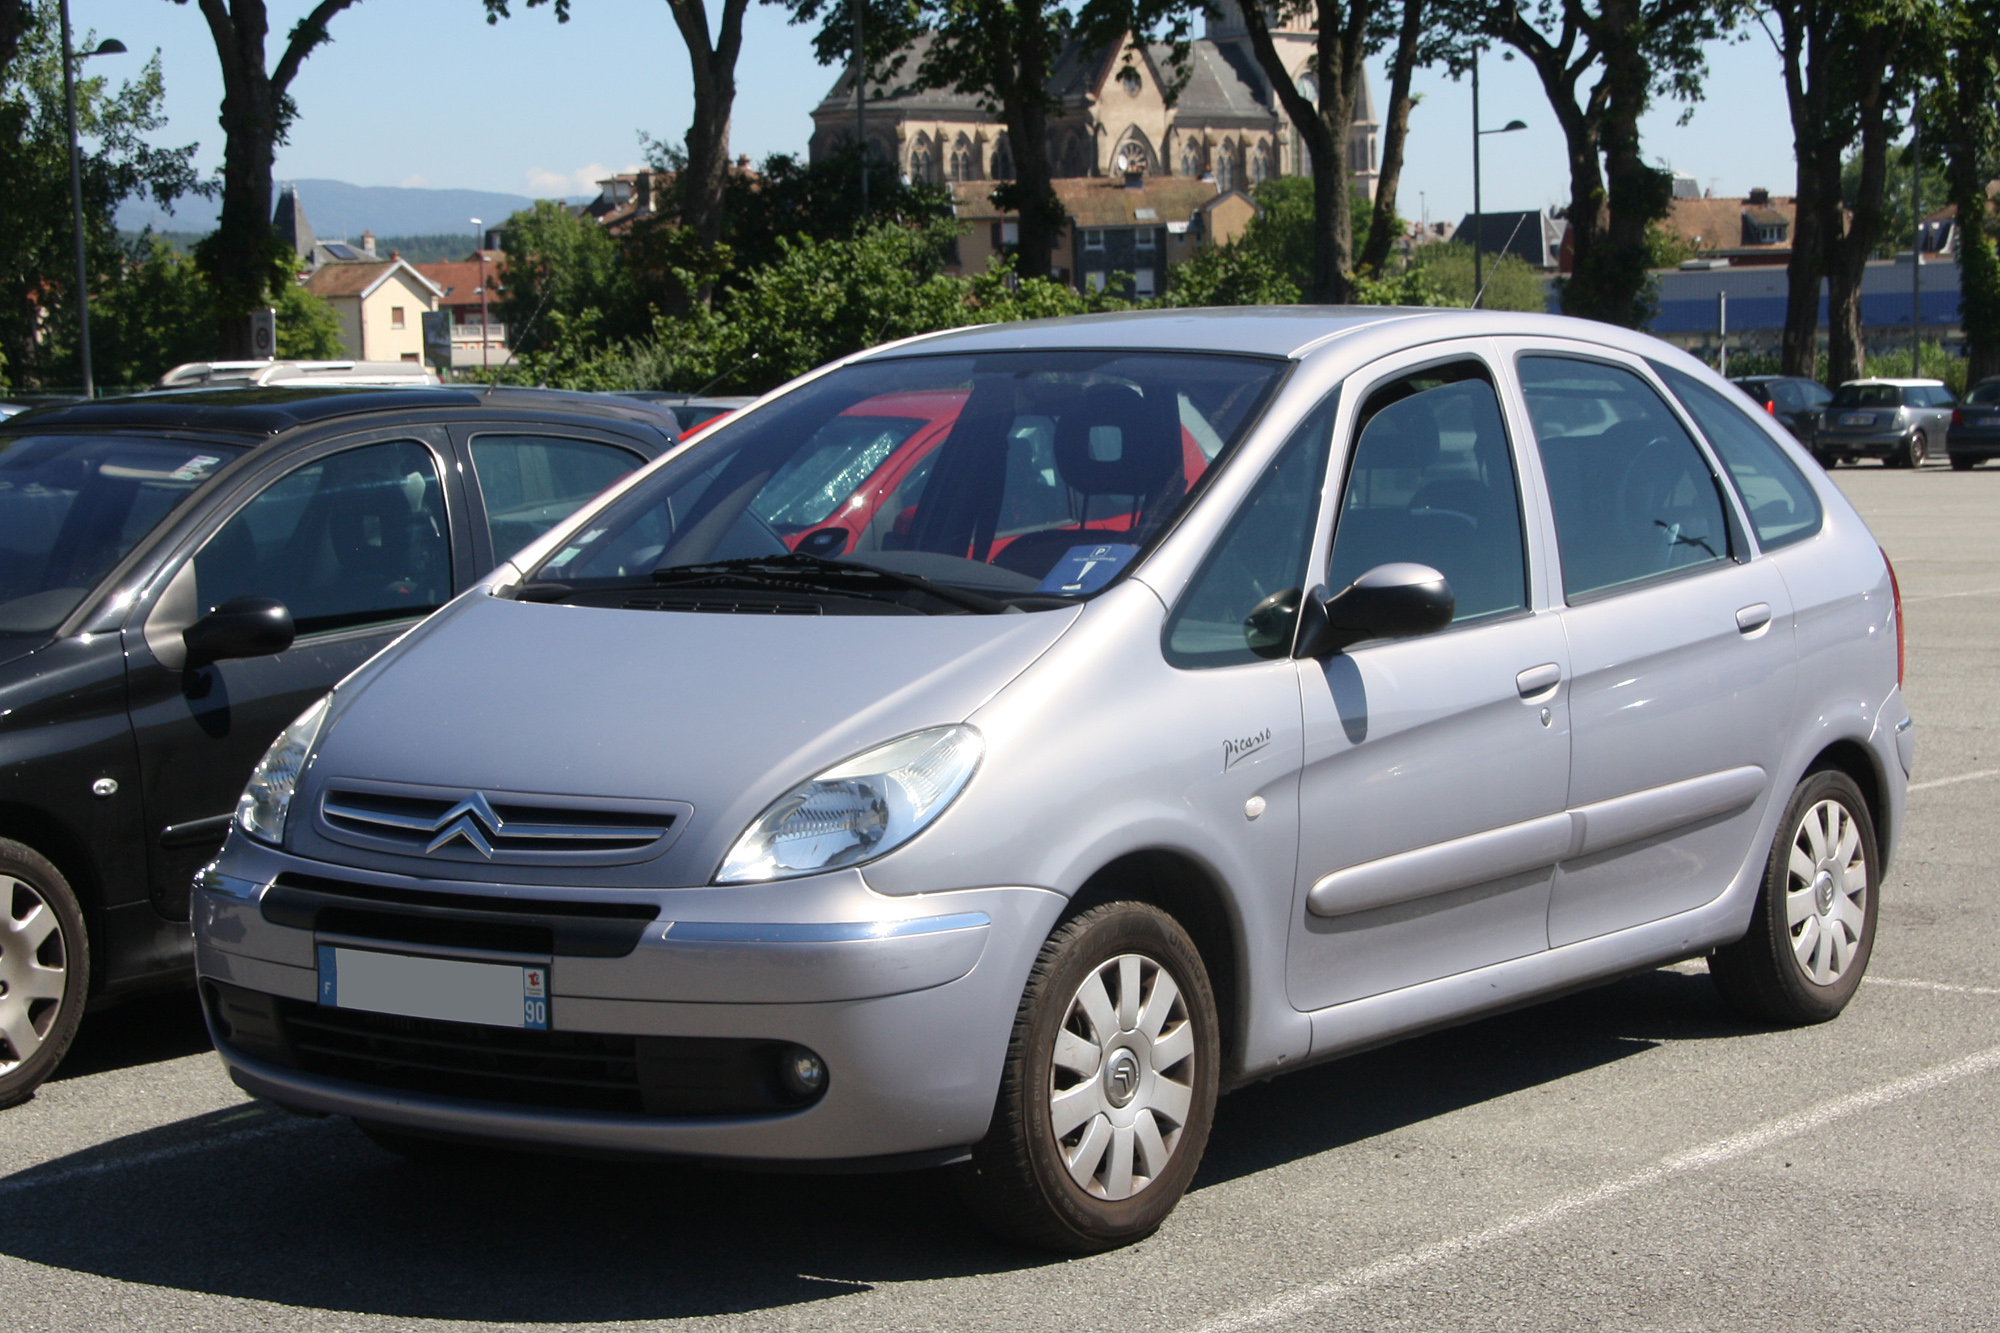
x,y
37,254
1284,234
1897,230
703,178
1637,49
1837,57
1961,111
1383,225
243,257
566,281
1511,284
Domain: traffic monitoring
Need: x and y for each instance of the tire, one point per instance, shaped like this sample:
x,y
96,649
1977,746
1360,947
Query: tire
x,y
1827,461
1915,449
1795,972
1101,971
44,970
1963,462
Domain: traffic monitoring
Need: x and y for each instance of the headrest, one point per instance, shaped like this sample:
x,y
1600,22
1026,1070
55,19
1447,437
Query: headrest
x,y
1401,435
1112,440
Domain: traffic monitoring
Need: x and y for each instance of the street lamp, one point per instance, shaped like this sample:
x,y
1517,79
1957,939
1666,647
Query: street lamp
x,y
479,248
1478,247
110,46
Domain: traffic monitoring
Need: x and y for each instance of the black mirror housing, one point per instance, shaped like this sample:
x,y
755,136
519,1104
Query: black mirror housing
x,y
1394,601
240,627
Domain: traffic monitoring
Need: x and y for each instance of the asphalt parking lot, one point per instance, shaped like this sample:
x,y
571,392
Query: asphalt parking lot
x,y
1626,1158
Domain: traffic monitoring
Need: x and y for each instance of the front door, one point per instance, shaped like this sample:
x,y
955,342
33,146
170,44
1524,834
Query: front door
x,y
356,541
1680,642
1435,769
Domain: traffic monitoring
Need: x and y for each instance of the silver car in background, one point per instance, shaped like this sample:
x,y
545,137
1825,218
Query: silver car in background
x,y
1901,422
987,750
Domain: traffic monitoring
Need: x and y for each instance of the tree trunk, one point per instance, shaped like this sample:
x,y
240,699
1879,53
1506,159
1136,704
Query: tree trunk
x,y
1582,124
1395,130
1026,57
1847,259
1803,57
712,62
1324,131
1970,95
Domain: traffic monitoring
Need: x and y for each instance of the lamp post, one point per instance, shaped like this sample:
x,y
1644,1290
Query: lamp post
x,y
479,248
1478,211
1916,247
111,46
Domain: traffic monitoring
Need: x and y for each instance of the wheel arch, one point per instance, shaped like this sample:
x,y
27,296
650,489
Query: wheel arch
x,y
69,854
1193,895
1855,759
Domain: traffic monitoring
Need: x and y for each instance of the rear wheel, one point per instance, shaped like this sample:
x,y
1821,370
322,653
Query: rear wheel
x,y
1963,462
1914,449
1814,924
1826,459
44,970
1109,1087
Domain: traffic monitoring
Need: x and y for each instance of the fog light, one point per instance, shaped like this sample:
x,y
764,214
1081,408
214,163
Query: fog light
x,y
802,1073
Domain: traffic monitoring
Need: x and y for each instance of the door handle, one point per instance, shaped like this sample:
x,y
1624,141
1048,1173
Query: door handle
x,y
1753,618
1539,679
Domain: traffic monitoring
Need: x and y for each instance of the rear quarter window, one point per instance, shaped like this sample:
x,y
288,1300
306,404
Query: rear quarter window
x,y
1782,506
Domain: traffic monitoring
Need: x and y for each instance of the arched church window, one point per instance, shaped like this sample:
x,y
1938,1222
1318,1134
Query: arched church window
x,y
1191,163
1003,159
923,160
1260,162
964,162
1228,165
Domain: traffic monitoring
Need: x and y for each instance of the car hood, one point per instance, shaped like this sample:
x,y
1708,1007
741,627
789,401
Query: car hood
x,y
720,713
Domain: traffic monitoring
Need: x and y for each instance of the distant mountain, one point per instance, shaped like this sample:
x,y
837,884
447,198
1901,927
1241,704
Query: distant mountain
x,y
336,208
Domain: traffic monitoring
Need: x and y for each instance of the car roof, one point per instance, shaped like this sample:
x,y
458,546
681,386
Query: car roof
x,y
1277,331
267,411
1900,384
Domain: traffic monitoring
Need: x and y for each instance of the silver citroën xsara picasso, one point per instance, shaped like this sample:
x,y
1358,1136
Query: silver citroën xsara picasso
x,y
986,750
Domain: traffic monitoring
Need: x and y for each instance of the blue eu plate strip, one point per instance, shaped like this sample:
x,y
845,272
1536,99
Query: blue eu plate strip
x,y
329,990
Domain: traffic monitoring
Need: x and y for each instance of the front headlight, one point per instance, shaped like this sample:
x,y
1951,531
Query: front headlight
x,y
858,810
261,810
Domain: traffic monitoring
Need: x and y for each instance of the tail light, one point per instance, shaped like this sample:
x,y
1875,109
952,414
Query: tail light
x,y
1896,601
1770,407
1957,417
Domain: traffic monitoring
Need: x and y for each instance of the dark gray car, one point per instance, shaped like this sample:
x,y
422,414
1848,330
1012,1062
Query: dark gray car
x,y
1974,436
1901,422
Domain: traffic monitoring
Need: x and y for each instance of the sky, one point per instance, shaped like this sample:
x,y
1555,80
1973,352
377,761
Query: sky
x,y
426,93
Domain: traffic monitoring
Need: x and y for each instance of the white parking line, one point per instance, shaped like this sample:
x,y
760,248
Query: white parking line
x,y
25,1180
1942,596
1962,777
1946,987
1310,1300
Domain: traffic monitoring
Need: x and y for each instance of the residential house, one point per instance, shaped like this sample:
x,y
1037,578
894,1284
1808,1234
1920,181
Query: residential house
x,y
1753,229
1536,237
468,288
1139,226
380,304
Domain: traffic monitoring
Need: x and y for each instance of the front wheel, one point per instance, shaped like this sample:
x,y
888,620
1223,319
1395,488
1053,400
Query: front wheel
x,y
44,970
1109,1087
1814,923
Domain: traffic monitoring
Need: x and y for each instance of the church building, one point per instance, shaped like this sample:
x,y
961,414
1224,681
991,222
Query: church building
x,y
1225,126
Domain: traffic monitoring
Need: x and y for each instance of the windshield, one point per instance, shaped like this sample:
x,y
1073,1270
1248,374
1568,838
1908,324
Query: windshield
x,y
73,506
1023,479
1868,395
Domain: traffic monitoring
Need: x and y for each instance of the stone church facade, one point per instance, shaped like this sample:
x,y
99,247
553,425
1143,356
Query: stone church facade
x,y
1226,124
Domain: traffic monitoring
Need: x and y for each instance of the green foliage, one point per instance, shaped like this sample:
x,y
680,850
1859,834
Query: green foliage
x,y
1230,275
566,281
1889,360
37,254
1896,229
1666,248
1281,235
157,310
1511,283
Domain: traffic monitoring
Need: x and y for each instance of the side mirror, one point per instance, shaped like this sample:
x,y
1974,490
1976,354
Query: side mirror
x,y
240,627
1395,601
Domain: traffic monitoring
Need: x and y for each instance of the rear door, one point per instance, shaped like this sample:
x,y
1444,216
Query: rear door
x,y
359,537
525,477
1680,640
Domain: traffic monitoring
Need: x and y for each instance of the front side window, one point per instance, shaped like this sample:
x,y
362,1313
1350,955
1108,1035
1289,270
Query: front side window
x,y
529,482
1431,480
1632,495
1037,475
73,506
1242,605
1776,495
355,538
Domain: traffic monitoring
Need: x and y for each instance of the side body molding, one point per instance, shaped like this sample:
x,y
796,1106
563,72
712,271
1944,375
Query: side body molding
x,y
1534,844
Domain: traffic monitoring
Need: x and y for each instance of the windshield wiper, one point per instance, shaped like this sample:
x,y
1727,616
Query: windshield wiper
x,y
798,570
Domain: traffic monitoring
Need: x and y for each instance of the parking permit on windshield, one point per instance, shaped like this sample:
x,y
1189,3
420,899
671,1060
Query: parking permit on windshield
x,y
1085,569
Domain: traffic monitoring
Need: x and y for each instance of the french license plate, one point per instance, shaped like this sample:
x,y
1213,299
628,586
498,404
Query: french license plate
x,y
1858,419
500,995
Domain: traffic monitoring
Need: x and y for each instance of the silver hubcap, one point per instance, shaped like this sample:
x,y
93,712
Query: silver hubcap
x,y
1122,1077
33,968
1826,892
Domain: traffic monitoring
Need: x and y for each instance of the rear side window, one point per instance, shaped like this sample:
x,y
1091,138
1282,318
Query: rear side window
x,y
1779,500
1633,496
1986,394
530,482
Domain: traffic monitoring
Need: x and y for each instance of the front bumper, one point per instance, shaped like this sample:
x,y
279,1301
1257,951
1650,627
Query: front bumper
x,y
909,1001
